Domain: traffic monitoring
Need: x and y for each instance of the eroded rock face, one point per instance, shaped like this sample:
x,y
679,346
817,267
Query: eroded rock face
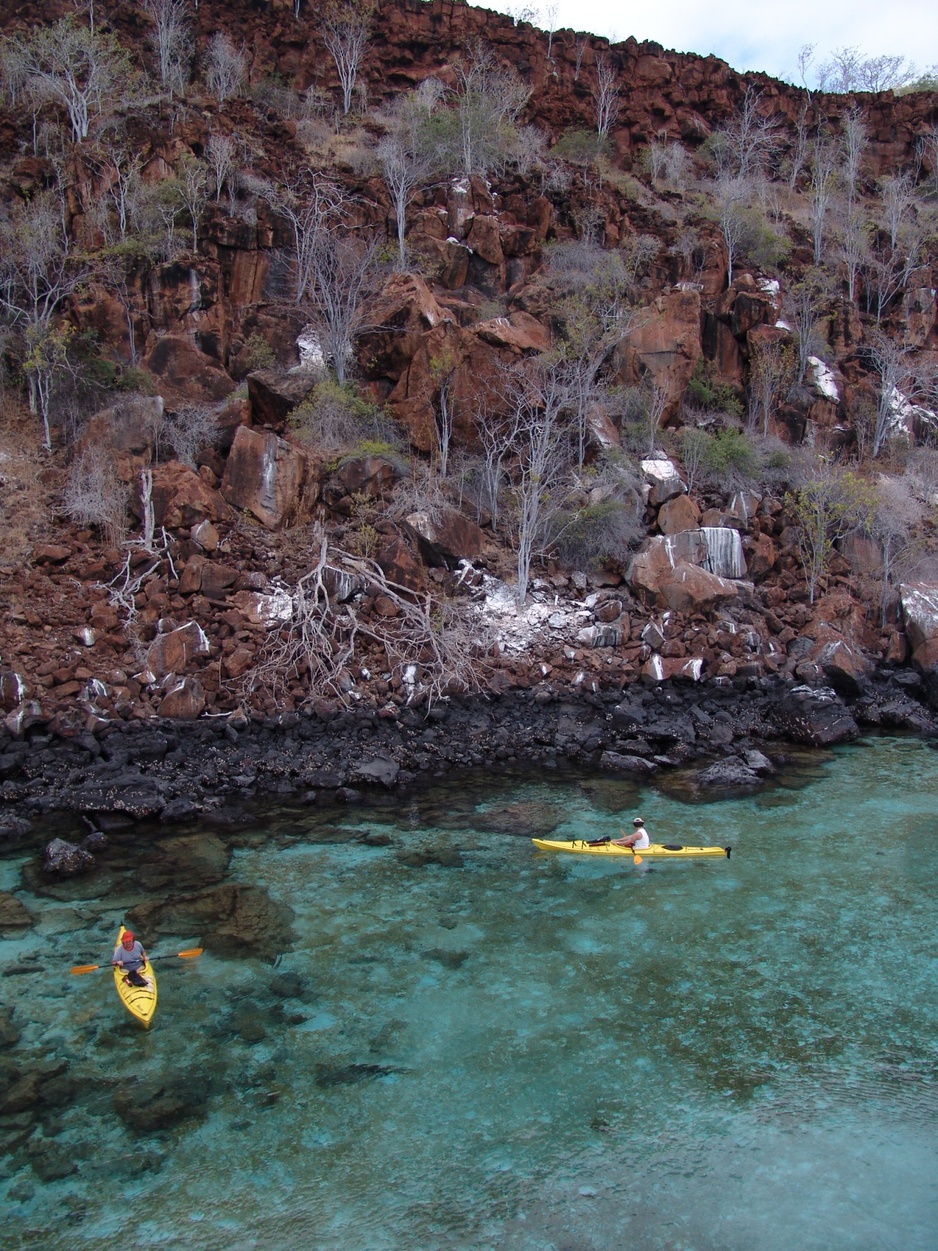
x,y
666,344
266,476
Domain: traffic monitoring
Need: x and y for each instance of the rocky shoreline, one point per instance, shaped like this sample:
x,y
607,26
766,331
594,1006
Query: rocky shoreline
x,y
723,736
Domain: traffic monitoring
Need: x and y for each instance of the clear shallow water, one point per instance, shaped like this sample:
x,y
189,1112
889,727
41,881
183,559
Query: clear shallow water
x,y
527,1052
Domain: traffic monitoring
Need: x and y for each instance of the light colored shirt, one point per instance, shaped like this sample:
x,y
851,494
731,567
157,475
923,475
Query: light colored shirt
x,y
643,840
130,960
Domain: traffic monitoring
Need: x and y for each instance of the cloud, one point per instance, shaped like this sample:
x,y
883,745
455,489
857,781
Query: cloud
x,y
763,35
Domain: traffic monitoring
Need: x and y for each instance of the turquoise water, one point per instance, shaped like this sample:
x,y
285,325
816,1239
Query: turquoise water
x,y
522,1051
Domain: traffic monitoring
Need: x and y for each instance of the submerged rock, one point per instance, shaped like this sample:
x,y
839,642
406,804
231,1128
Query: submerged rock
x,y
154,1104
13,915
728,775
63,859
233,918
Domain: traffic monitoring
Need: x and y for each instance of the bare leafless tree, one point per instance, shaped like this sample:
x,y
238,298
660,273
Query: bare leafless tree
x,y
732,197
848,69
405,166
226,67
220,156
800,147
749,138
39,270
579,48
95,496
824,174
896,367
346,26
193,191
853,143
78,70
485,106
538,450
854,246
607,98
172,42
336,265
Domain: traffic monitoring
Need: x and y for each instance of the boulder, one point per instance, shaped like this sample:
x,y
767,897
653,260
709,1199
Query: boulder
x,y
173,651
12,689
371,476
761,555
231,919
381,769
400,566
447,537
184,700
666,568
662,479
728,775
266,476
520,333
274,393
401,317
668,668
619,762
919,602
677,514
261,609
14,915
692,590
814,715
186,374
129,792
128,430
845,667
180,497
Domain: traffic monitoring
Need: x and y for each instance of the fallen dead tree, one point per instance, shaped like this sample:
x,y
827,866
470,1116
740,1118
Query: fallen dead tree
x,y
432,644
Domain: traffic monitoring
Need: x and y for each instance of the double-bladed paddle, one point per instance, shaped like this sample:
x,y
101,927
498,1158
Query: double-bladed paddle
x,y
78,969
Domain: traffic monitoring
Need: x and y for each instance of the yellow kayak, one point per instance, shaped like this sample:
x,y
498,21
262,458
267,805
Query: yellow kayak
x,y
140,1001
662,851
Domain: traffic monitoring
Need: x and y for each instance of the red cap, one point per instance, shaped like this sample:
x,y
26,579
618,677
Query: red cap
x,y
127,936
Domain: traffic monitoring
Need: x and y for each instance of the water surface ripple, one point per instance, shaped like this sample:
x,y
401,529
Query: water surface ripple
x,y
521,1052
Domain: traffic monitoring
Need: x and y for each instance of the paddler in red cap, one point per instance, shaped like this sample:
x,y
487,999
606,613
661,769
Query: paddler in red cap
x,y
130,957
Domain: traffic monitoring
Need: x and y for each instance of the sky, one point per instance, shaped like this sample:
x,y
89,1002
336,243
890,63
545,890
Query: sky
x,y
761,35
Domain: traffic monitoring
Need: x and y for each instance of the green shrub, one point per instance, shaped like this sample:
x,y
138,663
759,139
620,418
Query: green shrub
x,y
704,391
579,147
730,458
338,422
258,354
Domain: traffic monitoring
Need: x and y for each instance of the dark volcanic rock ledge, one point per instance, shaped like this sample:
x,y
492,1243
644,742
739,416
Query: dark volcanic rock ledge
x,y
175,771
